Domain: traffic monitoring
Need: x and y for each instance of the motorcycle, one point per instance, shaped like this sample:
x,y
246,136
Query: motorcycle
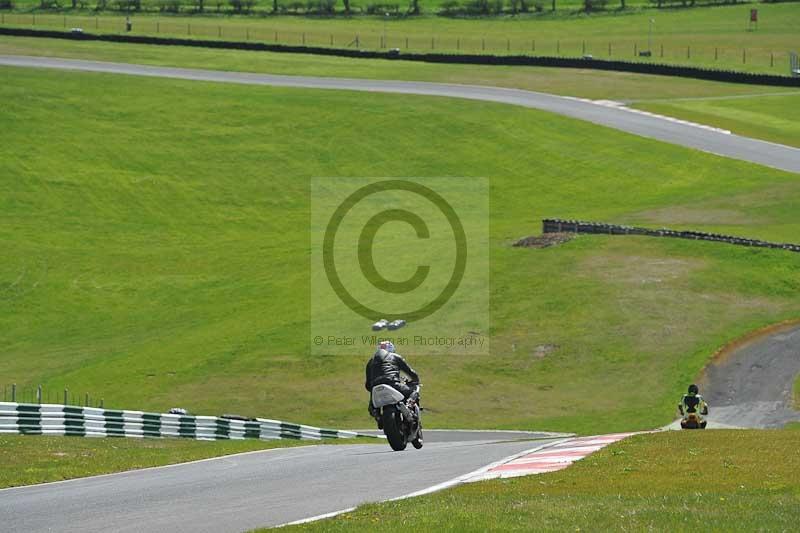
x,y
693,421
400,418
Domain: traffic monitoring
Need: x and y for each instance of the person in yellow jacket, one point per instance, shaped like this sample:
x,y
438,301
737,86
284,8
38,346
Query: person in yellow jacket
x,y
692,403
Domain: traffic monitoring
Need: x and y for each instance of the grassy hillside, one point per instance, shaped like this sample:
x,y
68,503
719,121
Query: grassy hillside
x,y
156,251
715,480
712,37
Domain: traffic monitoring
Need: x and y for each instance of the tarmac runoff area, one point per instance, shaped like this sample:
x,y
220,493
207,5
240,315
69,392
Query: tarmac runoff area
x,y
750,383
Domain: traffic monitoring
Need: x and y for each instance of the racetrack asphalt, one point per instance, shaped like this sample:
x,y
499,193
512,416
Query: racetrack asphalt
x,y
752,386
246,491
661,128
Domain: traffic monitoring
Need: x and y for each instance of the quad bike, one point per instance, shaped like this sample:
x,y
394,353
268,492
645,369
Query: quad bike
x,y
399,417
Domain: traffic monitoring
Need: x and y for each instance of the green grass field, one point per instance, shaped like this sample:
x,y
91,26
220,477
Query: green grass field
x,y
27,460
572,82
775,118
156,236
710,37
711,481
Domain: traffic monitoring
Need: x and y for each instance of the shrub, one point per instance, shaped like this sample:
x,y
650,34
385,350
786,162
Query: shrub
x,y
520,6
321,7
6,4
450,7
594,5
380,9
126,5
294,6
169,6
241,6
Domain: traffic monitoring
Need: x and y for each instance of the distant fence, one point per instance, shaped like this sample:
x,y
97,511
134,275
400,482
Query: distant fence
x,y
50,419
586,62
40,394
557,225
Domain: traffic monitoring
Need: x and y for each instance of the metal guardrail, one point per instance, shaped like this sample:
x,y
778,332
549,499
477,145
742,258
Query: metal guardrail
x,y
54,419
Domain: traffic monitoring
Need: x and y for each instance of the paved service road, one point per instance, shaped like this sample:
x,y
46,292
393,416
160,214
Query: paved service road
x,y
752,385
734,146
245,491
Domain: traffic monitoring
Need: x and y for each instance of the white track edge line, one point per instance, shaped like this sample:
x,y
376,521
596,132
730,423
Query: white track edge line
x,y
435,488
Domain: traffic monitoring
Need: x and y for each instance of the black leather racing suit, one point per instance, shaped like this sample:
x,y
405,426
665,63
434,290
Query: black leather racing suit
x,y
384,368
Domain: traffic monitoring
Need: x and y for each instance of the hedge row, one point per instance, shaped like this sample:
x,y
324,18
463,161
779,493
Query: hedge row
x,y
557,225
472,59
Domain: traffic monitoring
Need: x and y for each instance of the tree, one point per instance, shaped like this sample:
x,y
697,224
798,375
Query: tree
x,y
414,7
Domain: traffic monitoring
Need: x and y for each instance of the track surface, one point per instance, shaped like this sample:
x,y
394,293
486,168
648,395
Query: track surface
x,y
734,146
246,491
752,386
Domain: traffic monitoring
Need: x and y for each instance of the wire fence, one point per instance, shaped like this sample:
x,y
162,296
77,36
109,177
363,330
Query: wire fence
x,y
664,51
39,395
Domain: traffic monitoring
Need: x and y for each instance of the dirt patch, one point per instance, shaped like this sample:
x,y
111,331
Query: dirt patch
x,y
639,270
544,241
543,350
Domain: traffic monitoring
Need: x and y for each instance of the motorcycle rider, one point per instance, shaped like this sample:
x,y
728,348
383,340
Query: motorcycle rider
x,y
384,367
693,402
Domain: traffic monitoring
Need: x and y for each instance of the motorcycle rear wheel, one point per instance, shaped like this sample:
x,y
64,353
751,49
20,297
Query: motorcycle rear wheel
x,y
392,428
417,443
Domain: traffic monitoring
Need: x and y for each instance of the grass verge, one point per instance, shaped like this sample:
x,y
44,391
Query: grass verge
x,y
672,481
31,459
773,118
570,82
711,37
158,231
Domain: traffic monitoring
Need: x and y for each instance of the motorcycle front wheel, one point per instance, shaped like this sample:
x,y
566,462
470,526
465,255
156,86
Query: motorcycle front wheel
x,y
392,428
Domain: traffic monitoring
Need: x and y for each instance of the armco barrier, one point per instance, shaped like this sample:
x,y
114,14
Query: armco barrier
x,y
557,225
51,419
470,59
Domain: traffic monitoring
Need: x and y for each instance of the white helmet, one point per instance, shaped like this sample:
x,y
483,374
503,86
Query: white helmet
x,y
386,345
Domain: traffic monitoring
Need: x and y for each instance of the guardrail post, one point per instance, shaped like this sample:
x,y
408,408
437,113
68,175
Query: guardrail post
x,y
533,45
662,49
635,49
66,397
609,49
688,52
13,393
716,54
101,403
771,59
39,394
744,56
87,400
